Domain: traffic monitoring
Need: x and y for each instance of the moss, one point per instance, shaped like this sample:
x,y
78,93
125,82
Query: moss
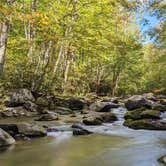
x,y
150,114
142,114
136,114
140,124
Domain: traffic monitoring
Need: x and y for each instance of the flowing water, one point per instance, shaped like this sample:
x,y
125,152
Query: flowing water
x,y
112,145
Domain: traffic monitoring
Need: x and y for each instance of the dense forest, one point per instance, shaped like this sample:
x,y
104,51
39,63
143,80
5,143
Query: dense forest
x,y
82,46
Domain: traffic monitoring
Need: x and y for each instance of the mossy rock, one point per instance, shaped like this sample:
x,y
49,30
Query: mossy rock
x,y
142,114
138,124
148,124
135,115
150,114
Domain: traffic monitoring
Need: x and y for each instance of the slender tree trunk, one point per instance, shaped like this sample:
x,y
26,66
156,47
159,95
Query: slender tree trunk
x,y
3,44
31,31
115,82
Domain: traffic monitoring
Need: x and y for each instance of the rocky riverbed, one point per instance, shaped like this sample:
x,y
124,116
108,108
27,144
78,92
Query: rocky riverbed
x,y
139,120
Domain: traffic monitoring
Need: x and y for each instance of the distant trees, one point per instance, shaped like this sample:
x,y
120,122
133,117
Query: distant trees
x,y
72,46
4,26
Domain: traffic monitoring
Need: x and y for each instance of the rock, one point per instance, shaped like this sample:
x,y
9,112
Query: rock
x,y
92,121
159,107
63,110
135,102
163,101
135,114
5,138
142,114
48,117
30,106
84,112
42,102
77,104
12,129
150,114
19,98
31,130
145,124
78,129
162,160
16,112
149,96
103,106
108,117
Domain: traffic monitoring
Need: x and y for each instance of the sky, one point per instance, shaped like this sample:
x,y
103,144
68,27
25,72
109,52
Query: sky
x,y
152,22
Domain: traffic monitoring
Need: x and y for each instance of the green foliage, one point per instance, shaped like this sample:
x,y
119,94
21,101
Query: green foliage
x,y
78,47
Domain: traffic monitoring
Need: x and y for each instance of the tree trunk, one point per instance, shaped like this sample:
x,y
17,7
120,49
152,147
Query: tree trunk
x,y
3,44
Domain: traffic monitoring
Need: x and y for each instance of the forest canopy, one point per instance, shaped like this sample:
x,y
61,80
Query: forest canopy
x,y
82,46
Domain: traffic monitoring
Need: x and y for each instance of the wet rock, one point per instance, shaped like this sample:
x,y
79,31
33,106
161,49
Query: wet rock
x,y
24,129
77,104
5,138
162,160
108,117
142,114
31,130
79,129
19,98
103,106
92,121
63,110
48,117
145,124
135,102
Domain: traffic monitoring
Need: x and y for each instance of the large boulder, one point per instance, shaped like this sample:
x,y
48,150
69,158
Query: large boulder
x,y
135,102
5,138
24,129
31,130
145,124
79,129
141,114
48,117
103,106
19,98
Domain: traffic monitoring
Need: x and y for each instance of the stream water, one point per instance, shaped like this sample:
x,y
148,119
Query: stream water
x,y
112,145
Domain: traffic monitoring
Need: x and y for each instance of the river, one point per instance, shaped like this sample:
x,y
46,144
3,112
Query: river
x,y
111,145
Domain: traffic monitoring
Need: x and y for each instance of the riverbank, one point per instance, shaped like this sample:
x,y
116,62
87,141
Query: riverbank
x,y
25,116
